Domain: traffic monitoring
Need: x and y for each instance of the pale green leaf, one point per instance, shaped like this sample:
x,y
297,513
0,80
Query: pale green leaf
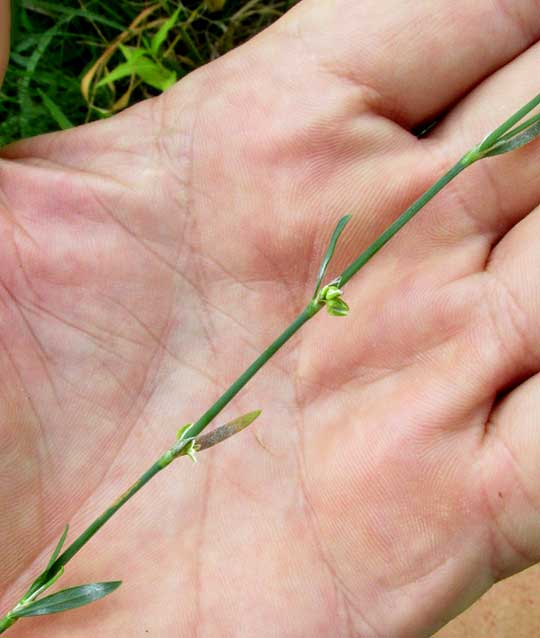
x,y
225,431
516,141
159,38
131,53
67,599
155,76
147,70
46,579
121,71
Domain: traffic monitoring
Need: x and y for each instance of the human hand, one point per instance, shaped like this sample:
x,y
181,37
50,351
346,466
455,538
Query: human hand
x,y
147,259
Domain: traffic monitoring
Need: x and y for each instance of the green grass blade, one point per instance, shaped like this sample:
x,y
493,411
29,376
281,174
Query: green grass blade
x,y
515,142
56,113
123,70
25,101
149,72
58,547
131,54
55,9
160,37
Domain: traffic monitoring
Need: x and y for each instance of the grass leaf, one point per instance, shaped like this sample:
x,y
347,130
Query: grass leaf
x,y
57,114
58,547
515,142
148,70
46,579
131,54
225,431
121,71
159,38
25,99
67,599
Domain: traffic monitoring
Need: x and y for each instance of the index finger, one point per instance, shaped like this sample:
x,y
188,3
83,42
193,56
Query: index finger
x,y
412,59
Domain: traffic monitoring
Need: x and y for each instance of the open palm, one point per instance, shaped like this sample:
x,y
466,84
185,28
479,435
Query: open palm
x,y
148,259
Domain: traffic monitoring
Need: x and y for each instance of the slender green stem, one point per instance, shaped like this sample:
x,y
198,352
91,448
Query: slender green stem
x,y
79,542
174,451
6,622
405,217
259,362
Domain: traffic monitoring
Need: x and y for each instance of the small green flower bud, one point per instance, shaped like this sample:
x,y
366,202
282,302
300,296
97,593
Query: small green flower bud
x,y
333,293
337,307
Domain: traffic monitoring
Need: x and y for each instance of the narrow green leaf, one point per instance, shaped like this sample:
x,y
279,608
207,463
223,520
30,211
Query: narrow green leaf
x,y
45,579
53,8
146,69
159,38
58,547
55,111
495,135
24,94
330,251
515,142
67,599
225,431
121,71
193,48
131,53
155,76
524,125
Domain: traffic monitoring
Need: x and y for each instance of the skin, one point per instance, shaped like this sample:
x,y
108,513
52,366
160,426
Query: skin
x,y
393,477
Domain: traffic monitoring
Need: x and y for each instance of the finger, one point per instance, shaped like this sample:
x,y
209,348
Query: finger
x,y
412,59
514,267
511,476
498,191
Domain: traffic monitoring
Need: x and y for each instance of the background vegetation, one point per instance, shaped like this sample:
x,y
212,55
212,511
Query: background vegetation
x,y
73,61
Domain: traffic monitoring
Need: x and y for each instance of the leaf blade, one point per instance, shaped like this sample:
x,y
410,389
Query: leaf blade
x,y
159,38
66,599
146,69
223,432
58,547
515,142
45,578
55,111
131,53
330,251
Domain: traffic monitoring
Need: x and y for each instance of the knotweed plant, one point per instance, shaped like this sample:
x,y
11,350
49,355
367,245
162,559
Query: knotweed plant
x,y
514,133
